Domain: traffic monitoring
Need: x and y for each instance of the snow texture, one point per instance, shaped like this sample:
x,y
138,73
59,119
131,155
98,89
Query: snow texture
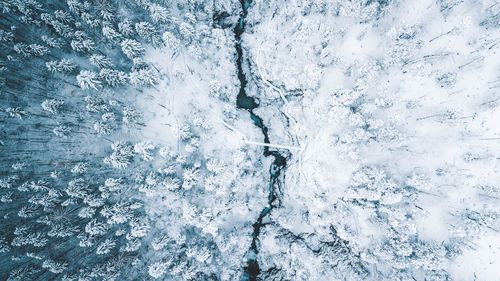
x,y
249,140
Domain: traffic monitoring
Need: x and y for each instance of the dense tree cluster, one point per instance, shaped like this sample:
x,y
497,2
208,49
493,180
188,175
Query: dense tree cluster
x,y
78,184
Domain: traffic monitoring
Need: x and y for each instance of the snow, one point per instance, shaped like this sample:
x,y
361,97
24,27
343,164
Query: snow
x,y
386,113
480,262
427,113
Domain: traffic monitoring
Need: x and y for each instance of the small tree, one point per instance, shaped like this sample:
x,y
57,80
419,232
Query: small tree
x,y
158,13
143,77
132,48
88,79
113,78
100,61
52,105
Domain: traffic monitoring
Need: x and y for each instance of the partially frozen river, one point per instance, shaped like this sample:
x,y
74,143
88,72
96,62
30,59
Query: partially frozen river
x,y
252,269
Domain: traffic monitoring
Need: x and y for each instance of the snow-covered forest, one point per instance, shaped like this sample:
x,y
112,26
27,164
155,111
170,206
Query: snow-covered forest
x,y
250,140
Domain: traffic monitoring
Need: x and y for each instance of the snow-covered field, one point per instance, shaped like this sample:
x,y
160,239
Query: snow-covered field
x,y
250,140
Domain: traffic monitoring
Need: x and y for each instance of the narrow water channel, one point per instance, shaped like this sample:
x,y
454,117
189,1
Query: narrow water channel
x,y
252,268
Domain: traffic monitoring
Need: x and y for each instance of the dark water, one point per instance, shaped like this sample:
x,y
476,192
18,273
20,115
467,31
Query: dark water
x,y
243,101
252,268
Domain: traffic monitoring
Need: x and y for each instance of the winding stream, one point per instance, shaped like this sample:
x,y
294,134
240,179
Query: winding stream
x,y
252,269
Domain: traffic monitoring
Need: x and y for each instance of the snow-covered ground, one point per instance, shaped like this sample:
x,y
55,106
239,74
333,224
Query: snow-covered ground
x,y
125,155
394,108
